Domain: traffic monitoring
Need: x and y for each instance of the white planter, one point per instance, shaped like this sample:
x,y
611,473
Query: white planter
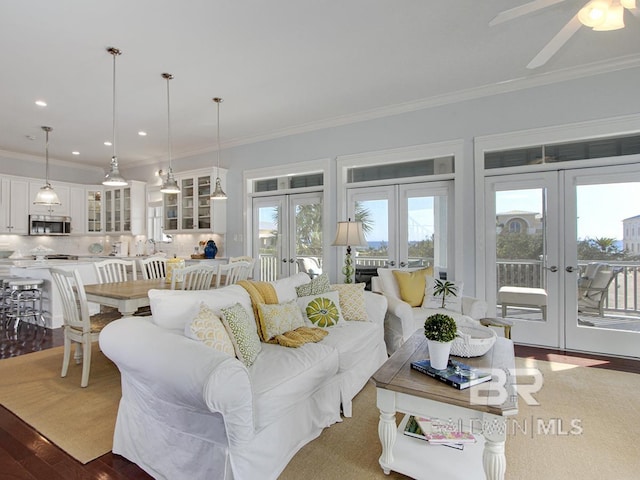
x,y
439,354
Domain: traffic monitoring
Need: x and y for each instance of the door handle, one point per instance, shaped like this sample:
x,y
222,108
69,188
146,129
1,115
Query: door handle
x,y
391,263
552,268
284,260
570,269
403,264
291,260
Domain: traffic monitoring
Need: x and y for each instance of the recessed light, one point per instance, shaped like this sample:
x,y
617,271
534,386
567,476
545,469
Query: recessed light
x,y
142,134
41,103
108,144
75,153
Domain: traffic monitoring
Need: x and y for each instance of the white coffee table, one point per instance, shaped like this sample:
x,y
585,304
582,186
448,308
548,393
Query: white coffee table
x,y
402,389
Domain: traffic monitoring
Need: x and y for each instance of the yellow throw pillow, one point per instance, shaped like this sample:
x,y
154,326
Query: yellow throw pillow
x,y
412,285
352,301
207,328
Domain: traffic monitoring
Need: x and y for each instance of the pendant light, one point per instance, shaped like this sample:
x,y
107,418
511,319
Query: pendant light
x,y
169,185
113,177
47,195
218,193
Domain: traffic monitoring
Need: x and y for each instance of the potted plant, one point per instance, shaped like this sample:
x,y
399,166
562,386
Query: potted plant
x,y
444,288
440,330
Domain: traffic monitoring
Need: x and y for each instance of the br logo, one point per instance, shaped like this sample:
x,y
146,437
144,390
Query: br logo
x,y
507,385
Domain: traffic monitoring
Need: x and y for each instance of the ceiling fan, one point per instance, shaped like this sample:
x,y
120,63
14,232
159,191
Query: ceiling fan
x,y
600,15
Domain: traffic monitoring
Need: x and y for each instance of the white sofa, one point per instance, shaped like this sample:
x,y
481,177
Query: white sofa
x,y
189,411
402,320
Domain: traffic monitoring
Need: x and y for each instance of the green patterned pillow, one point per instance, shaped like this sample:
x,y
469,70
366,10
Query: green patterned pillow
x,y
352,302
320,284
242,331
207,328
276,319
321,310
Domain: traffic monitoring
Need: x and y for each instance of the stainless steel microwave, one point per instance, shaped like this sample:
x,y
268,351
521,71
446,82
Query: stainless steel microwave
x,y
49,225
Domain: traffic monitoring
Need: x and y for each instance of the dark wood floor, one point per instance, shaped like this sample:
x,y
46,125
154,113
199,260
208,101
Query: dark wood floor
x,y
25,454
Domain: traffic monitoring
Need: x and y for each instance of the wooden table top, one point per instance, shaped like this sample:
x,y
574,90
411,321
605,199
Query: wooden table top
x,y
127,290
397,375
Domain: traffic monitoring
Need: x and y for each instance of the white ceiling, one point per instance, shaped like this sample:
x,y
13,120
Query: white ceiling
x,y
282,66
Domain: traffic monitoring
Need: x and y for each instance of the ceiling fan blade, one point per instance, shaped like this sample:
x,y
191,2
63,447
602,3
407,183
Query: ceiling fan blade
x,y
522,10
556,43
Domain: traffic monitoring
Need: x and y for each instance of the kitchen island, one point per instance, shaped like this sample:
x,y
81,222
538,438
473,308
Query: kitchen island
x,y
51,302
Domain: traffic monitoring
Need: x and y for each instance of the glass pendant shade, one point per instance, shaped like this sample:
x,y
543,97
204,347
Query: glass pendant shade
x,y
218,193
169,185
594,13
113,177
614,20
46,195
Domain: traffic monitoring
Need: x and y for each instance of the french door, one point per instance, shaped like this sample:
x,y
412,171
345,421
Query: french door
x,y
571,234
405,225
288,235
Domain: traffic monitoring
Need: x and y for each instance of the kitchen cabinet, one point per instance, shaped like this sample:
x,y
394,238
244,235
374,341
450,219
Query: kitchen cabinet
x,y
63,193
124,209
14,208
85,210
192,210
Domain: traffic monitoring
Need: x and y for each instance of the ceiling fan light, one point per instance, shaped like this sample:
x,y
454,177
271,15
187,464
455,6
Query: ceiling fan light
x,y
594,13
47,196
630,4
614,19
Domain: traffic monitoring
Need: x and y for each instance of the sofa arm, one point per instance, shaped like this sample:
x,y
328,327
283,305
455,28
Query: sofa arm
x,y
181,372
473,307
376,306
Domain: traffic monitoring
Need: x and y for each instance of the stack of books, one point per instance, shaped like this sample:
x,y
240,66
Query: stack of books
x,y
438,432
457,374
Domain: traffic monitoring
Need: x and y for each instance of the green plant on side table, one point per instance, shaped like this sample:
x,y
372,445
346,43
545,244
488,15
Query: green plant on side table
x,y
440,330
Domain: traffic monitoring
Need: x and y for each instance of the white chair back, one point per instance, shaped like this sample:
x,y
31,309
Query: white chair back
x,y
194,277
153,267
245,258
231,273
115,270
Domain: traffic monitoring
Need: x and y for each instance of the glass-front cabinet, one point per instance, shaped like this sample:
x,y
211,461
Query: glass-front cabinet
x,y
192,209
94,211
124,209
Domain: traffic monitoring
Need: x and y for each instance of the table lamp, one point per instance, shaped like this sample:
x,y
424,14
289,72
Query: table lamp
x,y
349,234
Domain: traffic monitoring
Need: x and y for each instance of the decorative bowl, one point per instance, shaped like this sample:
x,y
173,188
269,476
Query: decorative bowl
x,y
473,341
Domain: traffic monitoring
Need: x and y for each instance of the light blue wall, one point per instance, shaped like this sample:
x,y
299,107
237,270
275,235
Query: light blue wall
x,y
590,98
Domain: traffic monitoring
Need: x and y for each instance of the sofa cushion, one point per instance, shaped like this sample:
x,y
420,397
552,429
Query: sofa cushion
x,y
276,319
352,340
452,302
242,331
352,301
412,285
174,308
286,287
281,377
320,284
321,310
207,328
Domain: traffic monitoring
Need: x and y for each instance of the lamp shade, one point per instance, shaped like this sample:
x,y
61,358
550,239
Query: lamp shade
x,y
46,196
614,19
350,234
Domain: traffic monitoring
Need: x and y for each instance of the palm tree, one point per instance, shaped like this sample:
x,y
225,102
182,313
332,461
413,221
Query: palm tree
x,y
444,288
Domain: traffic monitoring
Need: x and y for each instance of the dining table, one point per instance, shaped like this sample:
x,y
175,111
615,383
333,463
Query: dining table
x,y
127,296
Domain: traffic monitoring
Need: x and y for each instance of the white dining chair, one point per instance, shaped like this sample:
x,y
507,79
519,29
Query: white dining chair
x,y
194,277
78,326
245,258
153,267
231,273
115,270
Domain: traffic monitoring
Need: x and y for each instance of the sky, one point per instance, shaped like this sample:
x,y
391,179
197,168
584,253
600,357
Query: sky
x,y
601,208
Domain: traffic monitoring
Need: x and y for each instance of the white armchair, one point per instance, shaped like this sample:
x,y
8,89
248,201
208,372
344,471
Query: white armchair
x,y
402,320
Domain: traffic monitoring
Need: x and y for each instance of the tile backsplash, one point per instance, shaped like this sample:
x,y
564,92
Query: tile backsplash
x,y
182,245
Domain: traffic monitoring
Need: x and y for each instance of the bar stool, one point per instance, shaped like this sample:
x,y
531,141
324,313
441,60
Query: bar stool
x,y
25,300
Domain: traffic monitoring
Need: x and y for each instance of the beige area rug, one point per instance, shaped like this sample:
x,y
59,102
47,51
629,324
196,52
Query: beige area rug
x,y
604,403
78,420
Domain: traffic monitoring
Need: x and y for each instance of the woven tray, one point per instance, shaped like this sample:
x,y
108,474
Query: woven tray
x,y
197,256
473,341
